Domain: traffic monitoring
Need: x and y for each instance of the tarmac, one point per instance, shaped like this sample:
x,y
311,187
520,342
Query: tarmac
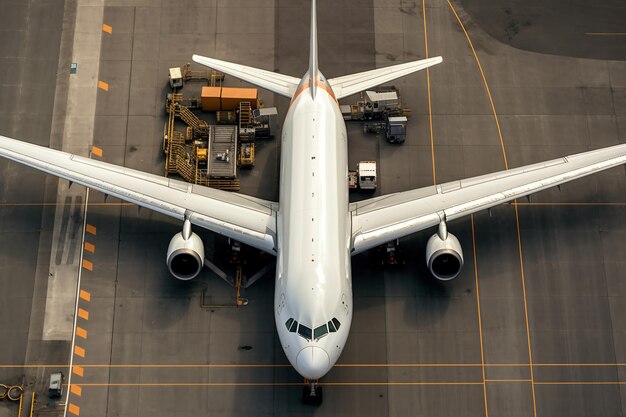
x,y
532,327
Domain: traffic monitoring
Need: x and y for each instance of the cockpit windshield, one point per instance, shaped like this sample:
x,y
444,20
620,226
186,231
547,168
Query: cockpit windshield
x,y
305,332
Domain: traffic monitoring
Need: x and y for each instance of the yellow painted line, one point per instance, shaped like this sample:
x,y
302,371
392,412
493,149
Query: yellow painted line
x,y
96,151
430,111
114,204
74,409
103,86
83,314
85,295
80,332
508,380
78,370
91,229
274,384
482,73
339,365
591,204
19,410
79,351
106,28
87,265
338,383
606,33
32,404
76,390
480,323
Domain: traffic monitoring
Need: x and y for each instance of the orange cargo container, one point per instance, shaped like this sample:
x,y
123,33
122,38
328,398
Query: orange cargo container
x,y
210,98
231,97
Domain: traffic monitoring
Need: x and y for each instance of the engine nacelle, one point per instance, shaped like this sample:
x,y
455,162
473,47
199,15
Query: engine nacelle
x,y
444,255
185,254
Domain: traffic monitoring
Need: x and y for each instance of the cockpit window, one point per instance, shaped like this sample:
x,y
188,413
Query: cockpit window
x,y
320,331
336,323
305,332
331,327
291,325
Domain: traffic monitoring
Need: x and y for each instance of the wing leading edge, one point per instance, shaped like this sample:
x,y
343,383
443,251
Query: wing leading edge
x,y
246,219
382,219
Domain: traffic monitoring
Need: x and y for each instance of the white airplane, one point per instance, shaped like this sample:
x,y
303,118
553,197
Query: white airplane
x,y
313,230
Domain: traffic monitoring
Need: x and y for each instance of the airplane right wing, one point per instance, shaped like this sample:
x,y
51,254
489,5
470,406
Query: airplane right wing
x,y
385,218
354,83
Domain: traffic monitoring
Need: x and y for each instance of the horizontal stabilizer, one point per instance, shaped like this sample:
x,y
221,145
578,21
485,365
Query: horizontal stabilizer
x,y
355,83
284,85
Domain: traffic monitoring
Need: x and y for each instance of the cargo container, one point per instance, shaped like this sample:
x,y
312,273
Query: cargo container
x,y
210,98
231,97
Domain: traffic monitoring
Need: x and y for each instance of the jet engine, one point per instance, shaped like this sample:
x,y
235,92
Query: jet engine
x,y
444,255
185,254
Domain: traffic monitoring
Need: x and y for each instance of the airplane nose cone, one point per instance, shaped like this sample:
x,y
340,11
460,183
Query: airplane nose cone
x,y
312,362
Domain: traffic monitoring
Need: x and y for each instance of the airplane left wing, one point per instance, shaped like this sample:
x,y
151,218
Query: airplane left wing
x,y
385,218
285,85
246,219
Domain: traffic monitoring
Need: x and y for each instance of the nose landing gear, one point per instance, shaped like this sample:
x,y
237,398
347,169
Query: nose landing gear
x,y
312,393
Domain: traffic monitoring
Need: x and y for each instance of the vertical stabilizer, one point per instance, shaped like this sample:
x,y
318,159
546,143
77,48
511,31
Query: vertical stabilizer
x,y
313,50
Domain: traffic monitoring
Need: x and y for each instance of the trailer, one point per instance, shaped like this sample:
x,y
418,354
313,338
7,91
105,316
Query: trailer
x,y
364,177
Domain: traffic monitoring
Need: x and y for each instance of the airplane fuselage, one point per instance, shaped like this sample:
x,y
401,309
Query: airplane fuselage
x,y
313,275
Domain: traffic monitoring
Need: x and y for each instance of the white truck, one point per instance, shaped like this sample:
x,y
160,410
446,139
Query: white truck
x,y
364,177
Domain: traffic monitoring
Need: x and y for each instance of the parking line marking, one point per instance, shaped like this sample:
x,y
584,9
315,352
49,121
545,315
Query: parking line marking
x,y
78,370
480,322
106,28
430,112
79,351
87,265
80,332
74,409
85,295
91,229
96,151
605,33
103,86
83,314
90,247
76,390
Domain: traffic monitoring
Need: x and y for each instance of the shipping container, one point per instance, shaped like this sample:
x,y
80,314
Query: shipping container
x,y
210,98
231,97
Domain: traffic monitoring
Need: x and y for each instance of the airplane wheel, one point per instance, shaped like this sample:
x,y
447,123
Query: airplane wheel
x,y
309,399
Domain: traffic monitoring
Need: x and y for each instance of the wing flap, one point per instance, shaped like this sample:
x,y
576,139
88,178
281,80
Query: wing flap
x,y
247,219
284,85
385,218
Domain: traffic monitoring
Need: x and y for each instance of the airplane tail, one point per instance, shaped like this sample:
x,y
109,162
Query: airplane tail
x,y
287,85
313,77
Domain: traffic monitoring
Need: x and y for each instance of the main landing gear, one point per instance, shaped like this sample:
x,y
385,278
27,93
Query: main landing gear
x,y
312,393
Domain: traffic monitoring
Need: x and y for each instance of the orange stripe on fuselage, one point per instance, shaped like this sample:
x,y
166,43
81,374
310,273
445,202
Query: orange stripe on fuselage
x,y
306,85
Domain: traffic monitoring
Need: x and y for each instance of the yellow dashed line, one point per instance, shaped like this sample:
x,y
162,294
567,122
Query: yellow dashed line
x,y
103,86
606,33
106,28
79,351
80,332
430,112
95,150
78,370
87,265
74,409
85,295
91,229
76,390
83,314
